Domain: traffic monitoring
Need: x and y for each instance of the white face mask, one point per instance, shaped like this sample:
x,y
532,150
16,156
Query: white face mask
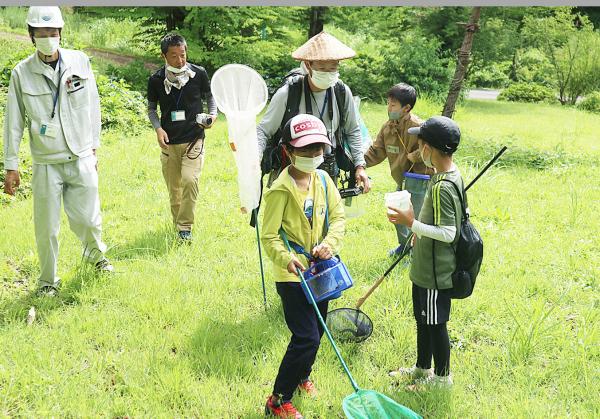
x,y
324,79
176,70
47,46
426,161
307,164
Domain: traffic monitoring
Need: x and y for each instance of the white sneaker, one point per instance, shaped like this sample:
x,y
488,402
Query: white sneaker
x,y
411,372
433,382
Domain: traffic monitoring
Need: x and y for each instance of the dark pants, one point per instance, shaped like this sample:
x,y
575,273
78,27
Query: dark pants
x,y
433,341
307,331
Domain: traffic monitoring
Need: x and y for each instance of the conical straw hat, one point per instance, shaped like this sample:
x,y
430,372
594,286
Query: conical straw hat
x,y
323,47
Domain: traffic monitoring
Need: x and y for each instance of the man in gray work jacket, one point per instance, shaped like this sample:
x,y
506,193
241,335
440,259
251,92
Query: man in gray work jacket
x,y
317,91
54,93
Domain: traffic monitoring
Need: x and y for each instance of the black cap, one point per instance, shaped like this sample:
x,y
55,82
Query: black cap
x,y
440,132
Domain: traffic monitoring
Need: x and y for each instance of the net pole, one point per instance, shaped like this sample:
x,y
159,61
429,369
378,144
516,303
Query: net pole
x,y
318,313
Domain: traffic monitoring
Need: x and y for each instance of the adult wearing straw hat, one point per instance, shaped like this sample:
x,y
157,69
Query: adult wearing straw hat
x,y
54,92
318,92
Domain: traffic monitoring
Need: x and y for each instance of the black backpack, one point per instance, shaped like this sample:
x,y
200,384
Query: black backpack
x,y
273,157
468,251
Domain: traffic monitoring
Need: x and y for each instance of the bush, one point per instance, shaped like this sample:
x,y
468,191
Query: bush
x,y
493,75
527,92
590,103
271,59
379,64
533,66
122,108
15,51
135,74
418,61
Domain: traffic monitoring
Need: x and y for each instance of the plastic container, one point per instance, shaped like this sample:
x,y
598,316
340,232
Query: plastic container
x,y
398,199
353,206
326,279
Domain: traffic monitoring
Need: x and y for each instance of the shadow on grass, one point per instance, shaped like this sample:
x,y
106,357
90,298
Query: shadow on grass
x,y
150,244
14,310
236,348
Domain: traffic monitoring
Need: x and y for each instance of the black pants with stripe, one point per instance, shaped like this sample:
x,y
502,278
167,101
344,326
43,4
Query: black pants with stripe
x,y
432,310
307,331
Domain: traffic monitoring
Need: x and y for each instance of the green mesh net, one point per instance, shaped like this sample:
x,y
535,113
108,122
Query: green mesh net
x,y
369,404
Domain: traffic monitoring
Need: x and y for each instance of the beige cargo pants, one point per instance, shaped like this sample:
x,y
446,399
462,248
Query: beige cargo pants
x,y
181,169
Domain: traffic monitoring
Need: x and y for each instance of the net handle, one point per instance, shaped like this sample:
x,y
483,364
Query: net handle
x,y
407,245
377,283
325,328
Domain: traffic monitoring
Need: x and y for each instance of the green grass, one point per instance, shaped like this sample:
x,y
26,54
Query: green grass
x,y
181,331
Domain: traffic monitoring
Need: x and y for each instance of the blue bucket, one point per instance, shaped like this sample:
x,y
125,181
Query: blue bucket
x,y
416,176
326,280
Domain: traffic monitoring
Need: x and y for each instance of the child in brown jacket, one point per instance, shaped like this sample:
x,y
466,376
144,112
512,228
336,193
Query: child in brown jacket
x,y
402,151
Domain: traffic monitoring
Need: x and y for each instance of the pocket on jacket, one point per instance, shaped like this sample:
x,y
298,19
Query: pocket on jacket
x,y
42,144
37,99
78,94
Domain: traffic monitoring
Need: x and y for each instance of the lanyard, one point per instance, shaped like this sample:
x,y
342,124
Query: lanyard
x,y
322,111
55,99
178,97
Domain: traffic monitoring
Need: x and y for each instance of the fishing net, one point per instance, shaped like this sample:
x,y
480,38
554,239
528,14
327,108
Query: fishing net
x,y
241,93
349,325
369,404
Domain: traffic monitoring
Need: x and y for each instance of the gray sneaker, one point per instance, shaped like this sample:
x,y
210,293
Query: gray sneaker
x,y
104,266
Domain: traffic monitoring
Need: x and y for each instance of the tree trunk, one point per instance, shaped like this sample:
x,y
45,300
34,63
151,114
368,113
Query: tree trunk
x,y
464,57
316,20
174,18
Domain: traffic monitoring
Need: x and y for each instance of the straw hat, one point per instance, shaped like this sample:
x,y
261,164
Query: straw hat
x,y
323,47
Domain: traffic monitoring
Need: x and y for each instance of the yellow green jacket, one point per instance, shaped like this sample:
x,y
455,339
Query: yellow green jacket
x,y
284,207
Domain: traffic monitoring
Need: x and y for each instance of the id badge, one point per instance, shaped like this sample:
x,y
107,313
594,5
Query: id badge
x,y
177,116
393,149
49,130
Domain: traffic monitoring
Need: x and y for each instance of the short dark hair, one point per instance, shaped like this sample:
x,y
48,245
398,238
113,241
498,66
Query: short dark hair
x,y
403,93
172,40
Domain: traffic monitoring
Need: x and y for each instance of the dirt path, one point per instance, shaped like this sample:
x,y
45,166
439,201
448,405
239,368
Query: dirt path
x,y
114,57
488,94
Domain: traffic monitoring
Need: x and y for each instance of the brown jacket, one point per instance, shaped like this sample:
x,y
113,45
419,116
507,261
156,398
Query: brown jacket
x,y
394,142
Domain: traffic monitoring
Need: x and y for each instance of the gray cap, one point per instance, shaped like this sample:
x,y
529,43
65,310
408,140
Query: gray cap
x,y
440,132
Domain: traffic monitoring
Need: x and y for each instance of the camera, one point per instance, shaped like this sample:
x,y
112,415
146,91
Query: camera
x,y
204,119
350,192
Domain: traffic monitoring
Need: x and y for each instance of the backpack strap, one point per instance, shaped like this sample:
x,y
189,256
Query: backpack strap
x,y
307,96
297,248
340,98
460,197
293,100
324,181
464,216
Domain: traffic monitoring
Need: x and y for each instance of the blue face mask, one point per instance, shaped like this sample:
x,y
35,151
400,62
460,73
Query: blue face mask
x,y
394,116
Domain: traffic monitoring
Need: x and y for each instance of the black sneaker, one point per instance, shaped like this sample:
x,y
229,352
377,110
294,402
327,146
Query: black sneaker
x,y
103,265
185,236
49,290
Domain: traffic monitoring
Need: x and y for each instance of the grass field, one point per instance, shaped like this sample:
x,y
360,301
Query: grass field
x,y
181,331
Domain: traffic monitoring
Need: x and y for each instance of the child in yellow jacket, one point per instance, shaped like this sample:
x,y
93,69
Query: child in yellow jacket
x,y
298,202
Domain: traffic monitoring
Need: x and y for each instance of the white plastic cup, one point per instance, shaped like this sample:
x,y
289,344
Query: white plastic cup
x,y
398,199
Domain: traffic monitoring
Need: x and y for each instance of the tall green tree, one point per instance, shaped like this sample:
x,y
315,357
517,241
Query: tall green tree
x,y
572,48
